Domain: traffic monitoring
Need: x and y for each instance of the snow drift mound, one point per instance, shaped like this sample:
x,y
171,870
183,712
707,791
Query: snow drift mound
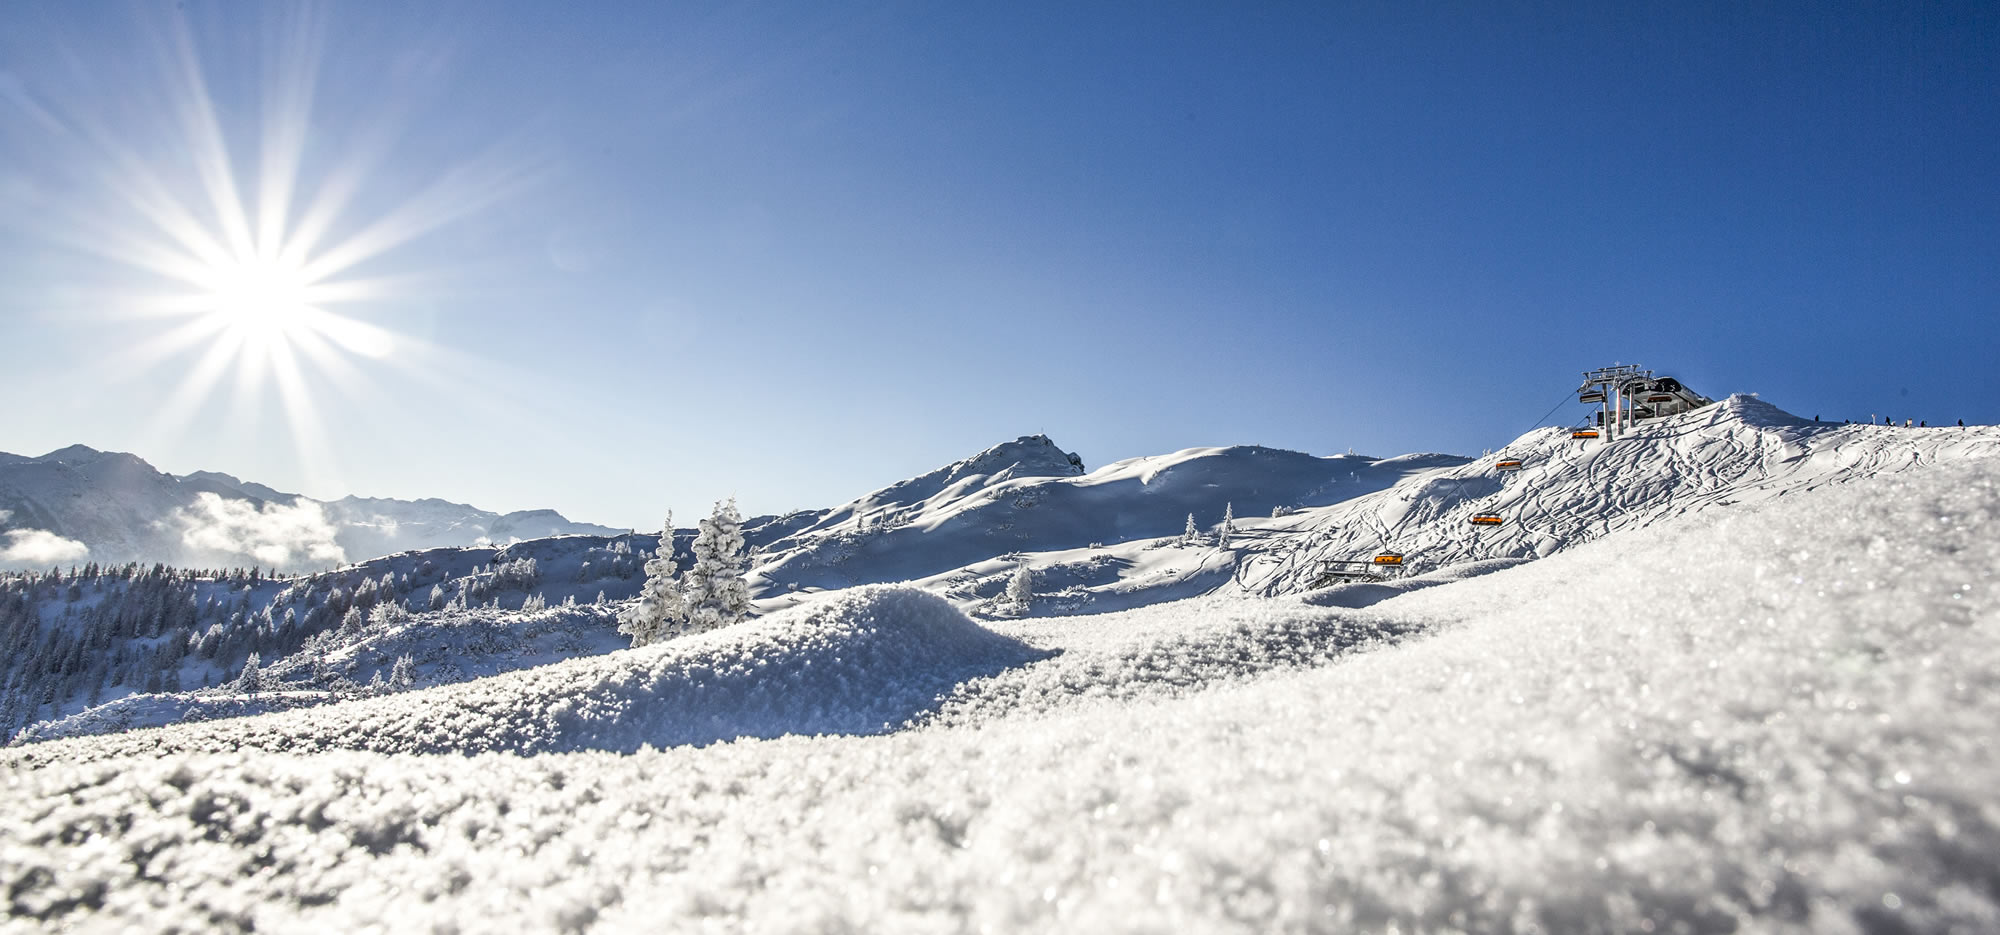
x,y
862,662
1361,594
156,709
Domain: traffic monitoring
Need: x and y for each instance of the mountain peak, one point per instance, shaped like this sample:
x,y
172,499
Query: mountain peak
x,y
74,454
1027,456
1748,408
234,486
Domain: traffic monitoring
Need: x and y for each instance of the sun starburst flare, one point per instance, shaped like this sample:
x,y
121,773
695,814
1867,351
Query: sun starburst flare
x,y
267,289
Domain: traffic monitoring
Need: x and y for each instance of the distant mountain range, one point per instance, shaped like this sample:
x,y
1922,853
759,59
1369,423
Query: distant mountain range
x,y
79,504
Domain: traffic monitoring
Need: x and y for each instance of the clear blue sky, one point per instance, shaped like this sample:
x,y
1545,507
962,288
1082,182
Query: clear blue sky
x,y
648,255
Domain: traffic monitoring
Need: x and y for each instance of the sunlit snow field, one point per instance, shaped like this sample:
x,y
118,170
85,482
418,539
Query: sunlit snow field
x,y
1777,717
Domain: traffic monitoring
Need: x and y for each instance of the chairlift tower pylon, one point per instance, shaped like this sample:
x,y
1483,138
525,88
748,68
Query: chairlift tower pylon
x,y
1606,386
1626,395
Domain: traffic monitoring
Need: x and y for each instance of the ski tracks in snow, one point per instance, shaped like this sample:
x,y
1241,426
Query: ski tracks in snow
x,y
1570,492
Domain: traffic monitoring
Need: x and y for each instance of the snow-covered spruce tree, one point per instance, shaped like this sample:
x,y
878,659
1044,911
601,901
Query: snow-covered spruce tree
x,y
1190,534
386,616
1228,526
1021,588
717,594
661,612
403,676
251,678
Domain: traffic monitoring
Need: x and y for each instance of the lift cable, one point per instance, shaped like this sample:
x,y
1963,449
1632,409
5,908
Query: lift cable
x,y
1552,411
1382,529
1491,519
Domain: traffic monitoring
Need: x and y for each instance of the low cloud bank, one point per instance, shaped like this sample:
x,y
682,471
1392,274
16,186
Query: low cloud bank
x,y
289,538
37,547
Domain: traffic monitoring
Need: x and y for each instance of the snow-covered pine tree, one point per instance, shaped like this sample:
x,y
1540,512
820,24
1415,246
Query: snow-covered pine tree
x,y
661,612
250,679
1021,588
403,676
1190,534
386,615
717,594
1228,526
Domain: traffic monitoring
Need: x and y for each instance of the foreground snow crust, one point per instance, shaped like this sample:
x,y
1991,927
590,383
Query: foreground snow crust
x,y
1778,718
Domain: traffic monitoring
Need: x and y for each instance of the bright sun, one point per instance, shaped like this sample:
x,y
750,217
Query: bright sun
x,y
265,301
270,283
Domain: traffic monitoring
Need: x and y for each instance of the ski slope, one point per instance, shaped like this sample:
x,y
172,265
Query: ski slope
x,y
1569,491
1785,725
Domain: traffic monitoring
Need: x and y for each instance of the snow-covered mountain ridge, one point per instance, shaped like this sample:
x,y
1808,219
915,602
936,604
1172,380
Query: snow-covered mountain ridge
x,y
1091,542
121,509
1110,539
1027,500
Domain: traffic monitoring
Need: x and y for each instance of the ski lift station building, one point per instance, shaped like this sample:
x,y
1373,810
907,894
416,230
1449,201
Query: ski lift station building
x,y
1626,395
